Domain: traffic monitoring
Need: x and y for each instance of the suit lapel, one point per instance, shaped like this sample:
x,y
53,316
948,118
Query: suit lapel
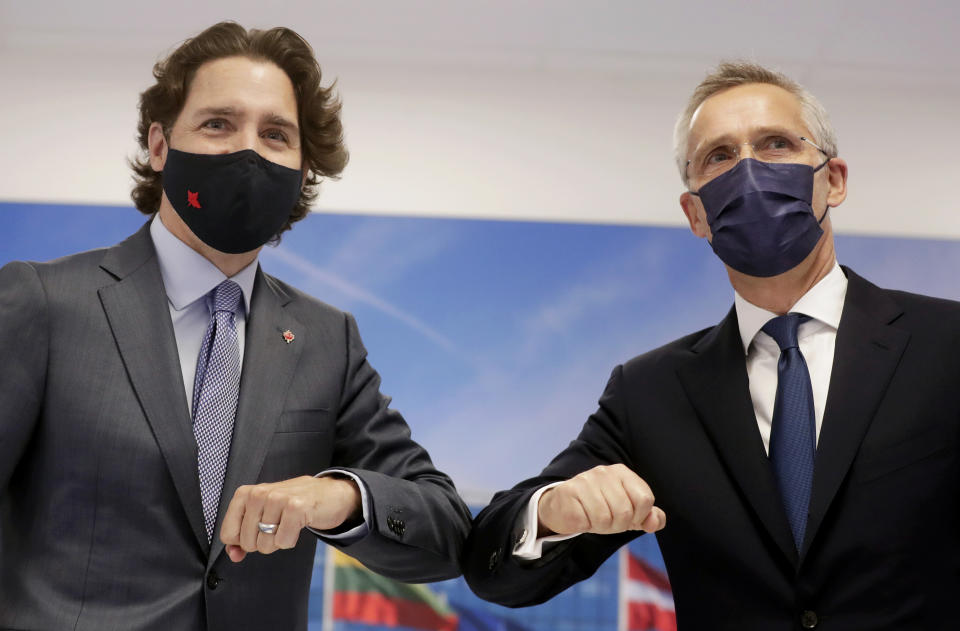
x,y
715,381
138,315
866,355
268,367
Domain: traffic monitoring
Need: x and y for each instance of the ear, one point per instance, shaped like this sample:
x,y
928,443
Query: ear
x,y
157,146
696,215
837,176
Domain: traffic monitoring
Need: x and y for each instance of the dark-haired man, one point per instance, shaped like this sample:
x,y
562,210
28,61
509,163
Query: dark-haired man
x,y
173,418
799,460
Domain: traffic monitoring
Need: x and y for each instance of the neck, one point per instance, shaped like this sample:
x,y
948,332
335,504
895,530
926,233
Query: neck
x,y
229,264
779,293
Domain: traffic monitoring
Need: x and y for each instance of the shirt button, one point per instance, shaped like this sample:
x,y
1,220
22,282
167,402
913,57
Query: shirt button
x,y
213,580
809,619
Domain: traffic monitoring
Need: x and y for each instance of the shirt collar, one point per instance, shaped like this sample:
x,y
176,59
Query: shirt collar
x,y
824,302
187,275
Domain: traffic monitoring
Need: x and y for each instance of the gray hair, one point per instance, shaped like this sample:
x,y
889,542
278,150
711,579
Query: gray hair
x,y
732,74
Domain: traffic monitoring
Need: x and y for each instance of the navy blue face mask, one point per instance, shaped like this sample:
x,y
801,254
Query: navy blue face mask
x,y
760,216
233,202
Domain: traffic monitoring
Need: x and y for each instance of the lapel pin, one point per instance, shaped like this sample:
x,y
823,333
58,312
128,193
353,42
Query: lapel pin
x,y
288,336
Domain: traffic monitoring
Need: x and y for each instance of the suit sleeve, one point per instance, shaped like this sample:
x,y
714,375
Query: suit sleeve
x,y
489,566
23,359
418,522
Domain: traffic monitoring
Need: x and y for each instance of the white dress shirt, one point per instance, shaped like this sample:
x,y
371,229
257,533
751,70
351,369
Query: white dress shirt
x,y
816,337
188,279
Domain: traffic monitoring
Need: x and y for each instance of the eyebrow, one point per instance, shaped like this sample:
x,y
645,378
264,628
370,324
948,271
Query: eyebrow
x,y
272,118
216,111
281,121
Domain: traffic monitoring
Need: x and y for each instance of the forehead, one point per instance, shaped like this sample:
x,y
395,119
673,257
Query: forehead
x,y
739,111
242,83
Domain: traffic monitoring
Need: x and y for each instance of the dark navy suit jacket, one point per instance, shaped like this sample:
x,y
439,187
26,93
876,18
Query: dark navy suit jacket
x,y
882,547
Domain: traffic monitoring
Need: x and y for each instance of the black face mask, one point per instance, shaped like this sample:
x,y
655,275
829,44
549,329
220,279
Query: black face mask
x,y
233,202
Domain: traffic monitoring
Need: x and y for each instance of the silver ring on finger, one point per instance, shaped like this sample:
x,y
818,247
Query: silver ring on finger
x,y
267,529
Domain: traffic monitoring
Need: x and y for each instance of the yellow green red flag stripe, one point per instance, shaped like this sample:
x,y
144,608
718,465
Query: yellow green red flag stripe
x,y
362,596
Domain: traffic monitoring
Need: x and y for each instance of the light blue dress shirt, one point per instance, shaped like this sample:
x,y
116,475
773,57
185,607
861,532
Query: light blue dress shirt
x,y
188,279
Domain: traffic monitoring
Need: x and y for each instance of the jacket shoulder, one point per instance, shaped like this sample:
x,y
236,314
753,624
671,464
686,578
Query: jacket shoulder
x,y
931,304
924,314
663,359
87,259
67,272
305,305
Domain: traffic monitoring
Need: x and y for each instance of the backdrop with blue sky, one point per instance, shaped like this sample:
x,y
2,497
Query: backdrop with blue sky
x,y
496,338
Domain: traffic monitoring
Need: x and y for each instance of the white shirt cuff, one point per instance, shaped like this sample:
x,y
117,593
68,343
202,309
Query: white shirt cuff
x,y
357,532
529,546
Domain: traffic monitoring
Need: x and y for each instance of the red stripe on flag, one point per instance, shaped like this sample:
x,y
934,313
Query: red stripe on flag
x,y
373,608
648,617
638,570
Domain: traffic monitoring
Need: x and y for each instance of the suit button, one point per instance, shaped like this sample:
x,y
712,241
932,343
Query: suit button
x,y
494,559
809,619
213,580
396,526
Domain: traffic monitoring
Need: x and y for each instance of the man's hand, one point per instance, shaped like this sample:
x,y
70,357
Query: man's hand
x,y
322,503
602,500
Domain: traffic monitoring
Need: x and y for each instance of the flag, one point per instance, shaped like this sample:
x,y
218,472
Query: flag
x,y
356,594
646,600
478,620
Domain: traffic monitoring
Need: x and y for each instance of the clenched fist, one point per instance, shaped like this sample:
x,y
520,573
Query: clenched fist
x,y
322,503
603,500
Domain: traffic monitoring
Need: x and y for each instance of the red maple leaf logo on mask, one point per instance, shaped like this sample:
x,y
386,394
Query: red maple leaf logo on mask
x,y
192,199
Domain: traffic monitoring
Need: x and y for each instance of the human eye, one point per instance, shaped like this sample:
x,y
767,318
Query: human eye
x,y
214,124
718,156
276,135
778,144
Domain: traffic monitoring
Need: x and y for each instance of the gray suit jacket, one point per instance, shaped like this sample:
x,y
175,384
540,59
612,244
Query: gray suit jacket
x,y
101,525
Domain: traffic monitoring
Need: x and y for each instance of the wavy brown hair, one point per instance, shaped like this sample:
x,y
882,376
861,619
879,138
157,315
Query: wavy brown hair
x,y
318,108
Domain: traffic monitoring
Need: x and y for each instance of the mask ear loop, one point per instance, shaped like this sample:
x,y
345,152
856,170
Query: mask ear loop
x,y
827,211
822,164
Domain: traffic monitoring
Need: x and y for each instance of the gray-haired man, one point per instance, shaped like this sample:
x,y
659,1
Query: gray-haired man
x,y
799,459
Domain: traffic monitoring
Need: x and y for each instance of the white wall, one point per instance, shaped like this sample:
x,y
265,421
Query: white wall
x,y
524,110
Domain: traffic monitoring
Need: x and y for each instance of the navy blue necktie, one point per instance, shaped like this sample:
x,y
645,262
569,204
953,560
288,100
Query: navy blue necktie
x,y
793,437
215,393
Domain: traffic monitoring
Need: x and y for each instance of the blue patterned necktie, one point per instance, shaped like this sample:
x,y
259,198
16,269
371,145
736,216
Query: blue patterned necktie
x,y
215,391
793,440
